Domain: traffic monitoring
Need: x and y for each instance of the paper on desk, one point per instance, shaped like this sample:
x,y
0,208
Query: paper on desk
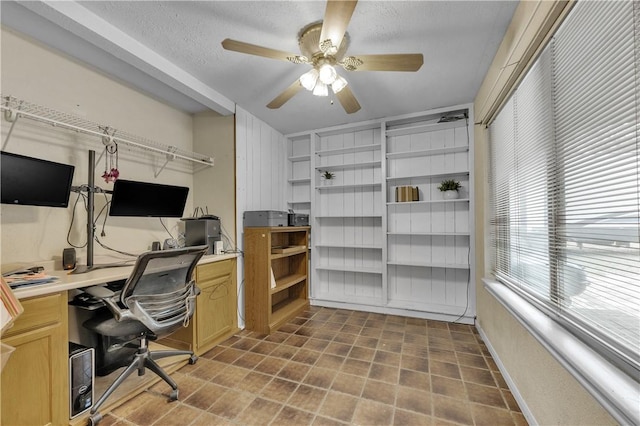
x,y
18,280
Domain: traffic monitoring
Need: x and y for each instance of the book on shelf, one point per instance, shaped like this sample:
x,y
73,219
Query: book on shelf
x,y
273,279
407,193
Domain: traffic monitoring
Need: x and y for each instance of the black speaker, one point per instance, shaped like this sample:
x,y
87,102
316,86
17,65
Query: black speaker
x,y
81,374
68,258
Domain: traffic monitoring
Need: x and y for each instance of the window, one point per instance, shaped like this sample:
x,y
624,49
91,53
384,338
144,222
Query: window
x,y
565,176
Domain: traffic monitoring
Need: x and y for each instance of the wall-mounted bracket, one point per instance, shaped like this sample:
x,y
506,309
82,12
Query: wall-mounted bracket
x,y
11,116
170,155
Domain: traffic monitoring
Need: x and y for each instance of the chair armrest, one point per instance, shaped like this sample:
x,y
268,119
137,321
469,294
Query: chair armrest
x,y
110,299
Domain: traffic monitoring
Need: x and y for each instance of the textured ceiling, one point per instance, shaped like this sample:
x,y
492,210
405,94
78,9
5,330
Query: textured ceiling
x,y
457,38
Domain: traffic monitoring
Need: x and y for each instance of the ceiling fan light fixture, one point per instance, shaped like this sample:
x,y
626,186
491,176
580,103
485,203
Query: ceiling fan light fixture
x,y
321,89
327,74
339,84
309,79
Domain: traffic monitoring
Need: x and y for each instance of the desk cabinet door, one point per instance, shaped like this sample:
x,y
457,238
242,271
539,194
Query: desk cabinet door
x,y
34,381
216,311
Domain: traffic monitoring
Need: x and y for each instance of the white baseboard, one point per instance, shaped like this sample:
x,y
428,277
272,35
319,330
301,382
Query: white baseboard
x,y
436,316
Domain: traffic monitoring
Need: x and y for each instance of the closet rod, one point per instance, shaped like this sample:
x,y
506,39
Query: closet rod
x,y
14,109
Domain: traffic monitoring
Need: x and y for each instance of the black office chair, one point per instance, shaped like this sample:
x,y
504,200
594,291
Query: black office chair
x,y
156,300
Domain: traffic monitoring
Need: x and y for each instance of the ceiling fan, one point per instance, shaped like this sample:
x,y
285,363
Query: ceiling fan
x,y
323,45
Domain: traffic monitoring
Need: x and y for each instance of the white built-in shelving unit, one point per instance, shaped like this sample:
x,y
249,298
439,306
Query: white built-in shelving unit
x,y
348,240
299,174
370,252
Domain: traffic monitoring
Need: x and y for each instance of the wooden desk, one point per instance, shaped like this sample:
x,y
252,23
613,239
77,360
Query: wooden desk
x,y
34,385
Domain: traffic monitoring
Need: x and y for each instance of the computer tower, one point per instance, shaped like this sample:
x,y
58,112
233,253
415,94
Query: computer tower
x,y
202,231
81,377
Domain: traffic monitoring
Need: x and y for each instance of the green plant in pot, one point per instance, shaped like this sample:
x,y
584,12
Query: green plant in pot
x,y
449,188
327,176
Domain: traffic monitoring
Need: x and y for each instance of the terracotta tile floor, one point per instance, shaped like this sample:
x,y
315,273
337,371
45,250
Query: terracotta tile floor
x,y
332,366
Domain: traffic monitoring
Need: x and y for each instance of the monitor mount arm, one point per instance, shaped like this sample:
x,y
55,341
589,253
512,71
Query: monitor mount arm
x,y
91,190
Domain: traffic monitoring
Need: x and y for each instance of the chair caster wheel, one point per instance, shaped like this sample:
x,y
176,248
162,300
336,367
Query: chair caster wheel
x,y
193,359
173,396
95,419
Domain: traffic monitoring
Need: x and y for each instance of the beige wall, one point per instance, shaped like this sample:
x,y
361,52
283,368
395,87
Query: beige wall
x,y
214,187
551,394
39,75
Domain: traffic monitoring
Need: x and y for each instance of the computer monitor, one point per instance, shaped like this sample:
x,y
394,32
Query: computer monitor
x,y
143,199
31,181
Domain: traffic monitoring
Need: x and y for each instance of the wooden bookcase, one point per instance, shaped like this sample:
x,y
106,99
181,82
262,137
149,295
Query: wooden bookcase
x,y
276,271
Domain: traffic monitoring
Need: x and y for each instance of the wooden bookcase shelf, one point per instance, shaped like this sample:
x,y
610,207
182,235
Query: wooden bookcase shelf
x,y
288,281
280,255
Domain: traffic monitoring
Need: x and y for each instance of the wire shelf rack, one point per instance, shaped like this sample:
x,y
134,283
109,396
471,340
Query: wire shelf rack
x,y
15,109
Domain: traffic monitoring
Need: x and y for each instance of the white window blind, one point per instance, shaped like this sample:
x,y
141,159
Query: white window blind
x,y
565,175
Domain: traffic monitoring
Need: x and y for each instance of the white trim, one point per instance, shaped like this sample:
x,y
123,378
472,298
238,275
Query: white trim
x,y
617,392
524,408
389,310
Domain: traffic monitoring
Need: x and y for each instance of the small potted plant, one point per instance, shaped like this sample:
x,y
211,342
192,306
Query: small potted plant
x,y
450,189
327,176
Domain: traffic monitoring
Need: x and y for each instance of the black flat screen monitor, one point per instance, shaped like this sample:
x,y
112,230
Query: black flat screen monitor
x,y
34,182
143,199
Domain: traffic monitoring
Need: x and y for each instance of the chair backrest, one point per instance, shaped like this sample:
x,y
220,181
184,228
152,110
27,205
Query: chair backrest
x,y
161,291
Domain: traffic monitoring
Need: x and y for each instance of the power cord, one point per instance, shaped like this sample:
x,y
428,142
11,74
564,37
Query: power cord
x,y
466,117
468,287
165,228
73,216
225,235
104,246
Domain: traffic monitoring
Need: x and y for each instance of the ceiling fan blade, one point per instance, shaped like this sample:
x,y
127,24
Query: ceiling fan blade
x,y
252,49
391,62
287,94
336,19
348,101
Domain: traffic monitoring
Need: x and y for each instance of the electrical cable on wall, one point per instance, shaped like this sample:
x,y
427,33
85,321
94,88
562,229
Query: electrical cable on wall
x,y
225,234
165,228
469,249
455,321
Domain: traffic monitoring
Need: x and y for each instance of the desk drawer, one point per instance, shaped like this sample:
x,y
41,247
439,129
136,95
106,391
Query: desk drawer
x,y
214,270
39,312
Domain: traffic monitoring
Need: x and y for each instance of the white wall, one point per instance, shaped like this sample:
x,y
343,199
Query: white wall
x,y
260,165
260,177
38,75
214,187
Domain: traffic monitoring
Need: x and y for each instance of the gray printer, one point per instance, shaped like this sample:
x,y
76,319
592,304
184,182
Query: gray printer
x,y
262,218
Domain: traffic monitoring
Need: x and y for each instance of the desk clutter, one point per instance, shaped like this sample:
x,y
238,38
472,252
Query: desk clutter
x,y
28,277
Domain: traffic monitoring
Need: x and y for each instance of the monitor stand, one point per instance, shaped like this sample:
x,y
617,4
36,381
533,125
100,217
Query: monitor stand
x,y
83,269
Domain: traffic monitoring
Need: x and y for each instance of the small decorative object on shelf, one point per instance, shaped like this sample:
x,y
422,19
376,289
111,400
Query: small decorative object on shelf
x,y
327,176
450,189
